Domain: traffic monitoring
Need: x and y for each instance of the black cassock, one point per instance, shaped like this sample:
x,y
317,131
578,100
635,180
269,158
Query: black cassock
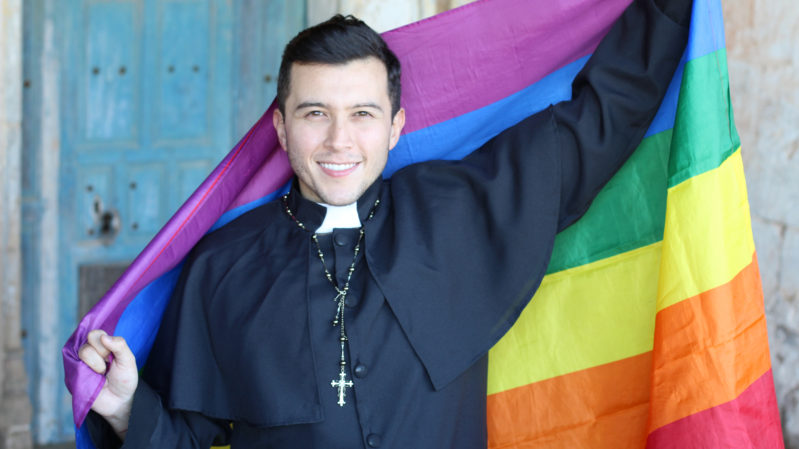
x,y
453,254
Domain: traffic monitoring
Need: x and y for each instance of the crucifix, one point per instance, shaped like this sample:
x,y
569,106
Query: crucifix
x,y
342,381
341,384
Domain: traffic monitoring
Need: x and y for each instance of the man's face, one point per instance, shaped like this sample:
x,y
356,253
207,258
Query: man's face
x,y
338,128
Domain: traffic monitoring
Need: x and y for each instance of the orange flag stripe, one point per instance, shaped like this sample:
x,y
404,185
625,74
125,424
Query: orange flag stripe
x,y
605,406
709,348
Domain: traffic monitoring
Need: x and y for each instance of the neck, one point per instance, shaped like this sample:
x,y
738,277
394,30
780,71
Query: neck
x,y
339,217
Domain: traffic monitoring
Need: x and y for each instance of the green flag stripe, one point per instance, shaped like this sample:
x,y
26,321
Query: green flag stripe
x,y
704,129
629,212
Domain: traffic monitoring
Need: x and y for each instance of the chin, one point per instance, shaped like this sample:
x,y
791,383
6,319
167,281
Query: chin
x,y
340,200
337,196
343,193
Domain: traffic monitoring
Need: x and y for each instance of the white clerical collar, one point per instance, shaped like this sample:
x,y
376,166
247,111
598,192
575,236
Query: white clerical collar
x,y
339,217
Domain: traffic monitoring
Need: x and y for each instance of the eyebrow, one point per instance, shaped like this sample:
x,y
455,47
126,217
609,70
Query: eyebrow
x,y
368,105
310,104
316,104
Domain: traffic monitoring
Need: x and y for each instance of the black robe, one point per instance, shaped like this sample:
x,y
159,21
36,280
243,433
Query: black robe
x,y
453,254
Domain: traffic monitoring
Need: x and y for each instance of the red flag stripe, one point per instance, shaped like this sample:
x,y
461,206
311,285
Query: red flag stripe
x,y
750,421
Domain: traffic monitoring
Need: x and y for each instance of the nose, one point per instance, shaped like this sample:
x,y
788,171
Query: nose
x,y
339,136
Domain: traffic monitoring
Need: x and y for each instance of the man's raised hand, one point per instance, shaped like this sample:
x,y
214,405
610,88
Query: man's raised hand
x,y
121,377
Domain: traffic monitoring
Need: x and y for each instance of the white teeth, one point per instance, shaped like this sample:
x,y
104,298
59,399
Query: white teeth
x,y
337,167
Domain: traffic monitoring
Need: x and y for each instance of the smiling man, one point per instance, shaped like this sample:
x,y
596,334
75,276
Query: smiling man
x,y
337,123
356,311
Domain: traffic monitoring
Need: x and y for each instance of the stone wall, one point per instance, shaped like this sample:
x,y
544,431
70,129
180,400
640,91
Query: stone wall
x,y
382,15
763,59
15,413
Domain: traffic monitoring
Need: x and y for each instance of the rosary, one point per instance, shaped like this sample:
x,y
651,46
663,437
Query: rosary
x,y
340,298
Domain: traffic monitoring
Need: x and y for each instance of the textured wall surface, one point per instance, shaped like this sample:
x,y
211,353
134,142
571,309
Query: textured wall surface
x,y
15,411
382,15
764,75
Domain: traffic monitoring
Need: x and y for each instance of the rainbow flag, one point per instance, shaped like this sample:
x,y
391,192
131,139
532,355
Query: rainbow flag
x,y
649,328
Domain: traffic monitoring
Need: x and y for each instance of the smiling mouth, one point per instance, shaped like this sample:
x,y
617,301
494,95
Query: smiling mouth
x,y
337,167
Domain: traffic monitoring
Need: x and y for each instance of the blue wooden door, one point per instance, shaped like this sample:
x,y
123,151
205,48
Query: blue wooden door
x,y
146,113
153,93
146,109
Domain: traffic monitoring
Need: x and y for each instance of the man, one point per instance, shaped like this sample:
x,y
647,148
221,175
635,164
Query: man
x,y
419,275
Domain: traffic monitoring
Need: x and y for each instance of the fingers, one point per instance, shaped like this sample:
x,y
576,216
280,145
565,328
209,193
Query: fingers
x,y
99,345
94,339
123,356
93,353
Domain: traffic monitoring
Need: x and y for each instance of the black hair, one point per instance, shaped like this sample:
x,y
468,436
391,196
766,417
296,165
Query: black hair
x,y
338,40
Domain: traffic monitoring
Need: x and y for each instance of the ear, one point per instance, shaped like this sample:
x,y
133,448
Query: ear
x,y
280,127
397,123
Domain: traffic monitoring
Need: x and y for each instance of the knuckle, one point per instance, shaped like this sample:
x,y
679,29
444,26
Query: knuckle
x,y
89,356
95,334
120,344
84,351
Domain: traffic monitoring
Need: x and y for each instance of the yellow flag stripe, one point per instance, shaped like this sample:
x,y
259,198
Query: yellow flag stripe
x,y
579,318
604,311
708,235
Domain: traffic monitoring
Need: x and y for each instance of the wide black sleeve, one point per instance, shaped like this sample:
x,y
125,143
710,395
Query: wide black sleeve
x,y
154,426
206,367
474,237
154,423
615,97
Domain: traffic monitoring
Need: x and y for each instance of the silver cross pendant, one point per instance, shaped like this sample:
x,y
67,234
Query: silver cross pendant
x,y
341,384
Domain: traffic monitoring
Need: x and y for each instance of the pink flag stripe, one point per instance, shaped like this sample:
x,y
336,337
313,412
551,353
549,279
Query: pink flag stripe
x,y
749,421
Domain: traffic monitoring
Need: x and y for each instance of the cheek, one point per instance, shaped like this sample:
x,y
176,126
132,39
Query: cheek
x,y
374,140
301,143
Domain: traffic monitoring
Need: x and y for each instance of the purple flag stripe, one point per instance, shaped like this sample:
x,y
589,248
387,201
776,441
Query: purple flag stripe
x,y
492,49
480,53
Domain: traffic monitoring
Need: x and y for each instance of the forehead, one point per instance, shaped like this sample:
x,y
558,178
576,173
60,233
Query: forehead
x,y
359,80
